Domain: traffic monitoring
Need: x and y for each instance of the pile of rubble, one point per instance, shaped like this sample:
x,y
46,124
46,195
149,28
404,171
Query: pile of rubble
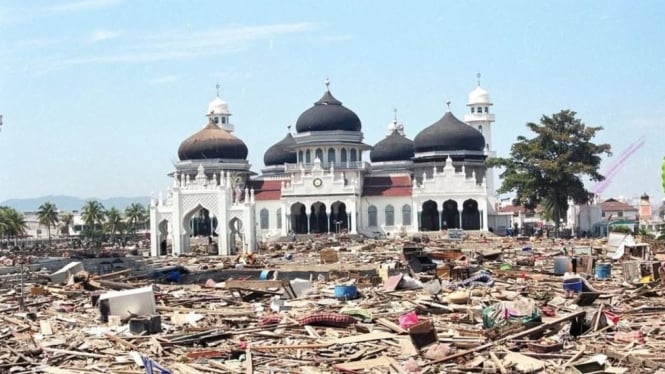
x,y
478,305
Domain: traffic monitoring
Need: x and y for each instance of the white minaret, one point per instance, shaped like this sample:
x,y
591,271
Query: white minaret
x,y
480,118
218,110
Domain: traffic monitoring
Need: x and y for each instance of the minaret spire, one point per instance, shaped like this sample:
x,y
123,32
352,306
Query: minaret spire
x,y
217,86
478,78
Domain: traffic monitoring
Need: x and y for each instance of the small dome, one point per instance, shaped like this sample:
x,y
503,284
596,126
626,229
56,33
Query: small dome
x,y
449,134
394,147
210,143
281,152
479,96
328,114
218,106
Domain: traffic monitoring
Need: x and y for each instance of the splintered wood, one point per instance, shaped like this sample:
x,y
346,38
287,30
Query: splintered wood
x,y
483,304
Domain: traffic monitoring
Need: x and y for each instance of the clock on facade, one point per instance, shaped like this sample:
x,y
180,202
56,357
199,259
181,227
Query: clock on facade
x,y
317,182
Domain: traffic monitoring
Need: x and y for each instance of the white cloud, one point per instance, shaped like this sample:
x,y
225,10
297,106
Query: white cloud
x,y
83,5
183,44
100,35
165,79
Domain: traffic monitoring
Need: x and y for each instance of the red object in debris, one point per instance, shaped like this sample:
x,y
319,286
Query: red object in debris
x,y
548,311
629,337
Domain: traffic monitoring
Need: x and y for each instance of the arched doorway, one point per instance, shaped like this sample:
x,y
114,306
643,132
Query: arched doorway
x,y
163,230
200,222
298,218
470,215
339,220
318,219
429,217
450,215
236,238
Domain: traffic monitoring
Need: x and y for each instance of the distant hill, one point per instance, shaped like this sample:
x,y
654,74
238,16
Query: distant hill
x,y
71,203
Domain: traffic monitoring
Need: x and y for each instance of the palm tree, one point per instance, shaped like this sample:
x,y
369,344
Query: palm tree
x,y
113,221
12,223
48,216
93,214
66,221
136,215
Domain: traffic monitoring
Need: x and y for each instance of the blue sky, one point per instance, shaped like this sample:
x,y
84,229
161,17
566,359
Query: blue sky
x,y
98,94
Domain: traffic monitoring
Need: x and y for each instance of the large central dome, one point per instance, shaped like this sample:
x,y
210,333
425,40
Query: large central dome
x,y
328,114
449,134
212,142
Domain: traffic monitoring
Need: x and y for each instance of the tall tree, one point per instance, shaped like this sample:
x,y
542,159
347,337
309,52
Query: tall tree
x,y
12,223
48,216
113,221
66,221
136,216
548,168
93,214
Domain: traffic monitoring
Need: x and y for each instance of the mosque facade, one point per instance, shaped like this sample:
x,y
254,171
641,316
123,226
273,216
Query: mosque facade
x,y
319,180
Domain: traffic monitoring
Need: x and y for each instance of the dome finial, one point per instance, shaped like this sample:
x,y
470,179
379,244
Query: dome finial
x,y
448,105
478,78
395,114
288,127
217,86
327,83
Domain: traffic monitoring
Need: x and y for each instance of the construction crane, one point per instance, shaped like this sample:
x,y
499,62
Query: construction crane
x,y
617,165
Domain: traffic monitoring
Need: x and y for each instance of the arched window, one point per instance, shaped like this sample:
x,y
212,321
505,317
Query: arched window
x,y
308,157
487,109
406,215
473,110
390,216
319,154
354,155
343,154
300,159
371,215
331,156
265,218
279,218
480,109
480,128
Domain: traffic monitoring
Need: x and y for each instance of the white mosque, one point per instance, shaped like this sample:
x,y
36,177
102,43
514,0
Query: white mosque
x,y
318,180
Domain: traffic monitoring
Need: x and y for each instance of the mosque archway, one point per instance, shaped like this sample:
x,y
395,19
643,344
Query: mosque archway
x,y
299,218
450,215
200,222
318,218
236,237
470,215
163,232
429,217
339,219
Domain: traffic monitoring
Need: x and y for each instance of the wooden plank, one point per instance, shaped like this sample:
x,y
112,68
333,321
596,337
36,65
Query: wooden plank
x,y
365,338
252,284
509,337
250,364
363,365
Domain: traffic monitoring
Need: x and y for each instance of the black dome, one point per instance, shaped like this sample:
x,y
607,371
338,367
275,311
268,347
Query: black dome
x,y
281,152
328,114
394,147
449,134
212,142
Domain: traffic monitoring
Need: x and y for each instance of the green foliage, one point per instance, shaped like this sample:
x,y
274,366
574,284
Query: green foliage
x,y
136,215
66,221
621,229
48,216
548,168
663,173
12,223
93,215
